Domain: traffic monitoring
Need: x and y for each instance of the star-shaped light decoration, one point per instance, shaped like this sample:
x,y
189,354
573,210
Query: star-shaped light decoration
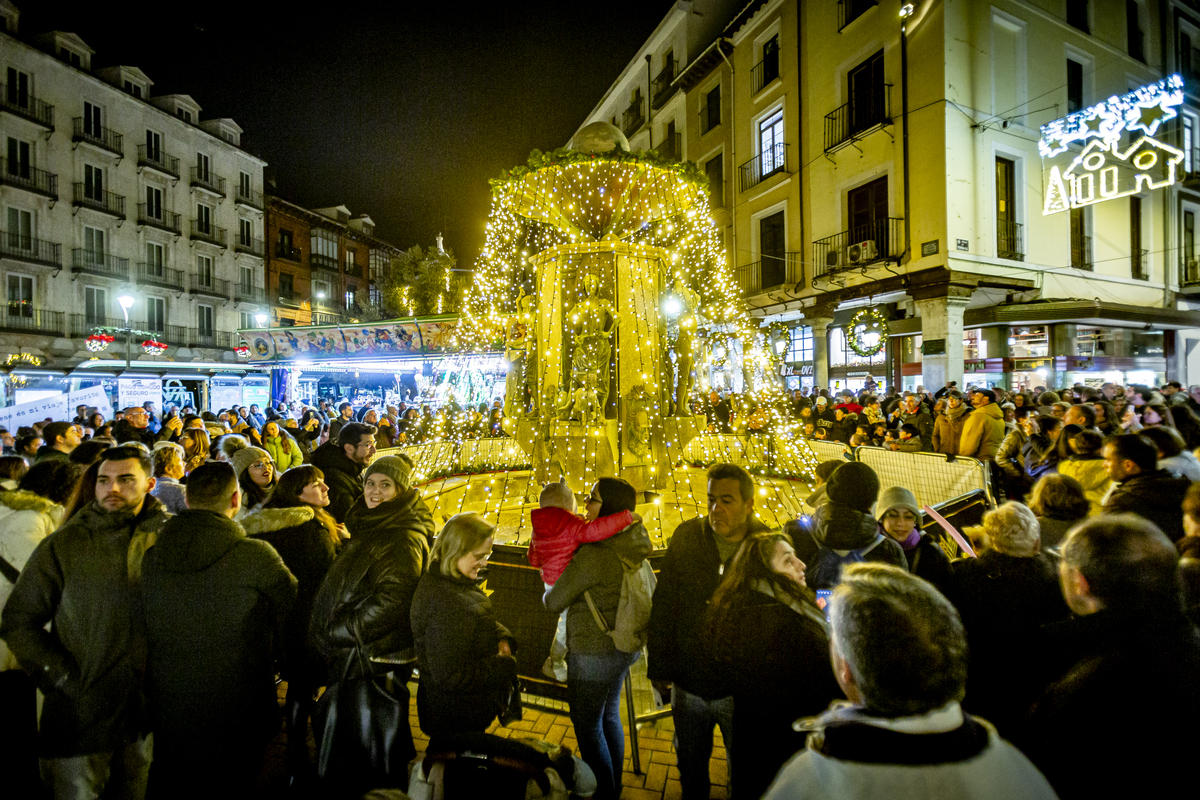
x,y
1148,118
1144,109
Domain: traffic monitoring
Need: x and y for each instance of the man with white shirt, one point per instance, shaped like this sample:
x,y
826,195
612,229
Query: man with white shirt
x,y
900,655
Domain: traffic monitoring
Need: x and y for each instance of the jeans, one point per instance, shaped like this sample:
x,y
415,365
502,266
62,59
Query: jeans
x,y
594,691
694,719
122,774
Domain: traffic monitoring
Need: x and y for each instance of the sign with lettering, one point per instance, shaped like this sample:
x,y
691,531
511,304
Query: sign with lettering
x,y
96,397
14,417
136,391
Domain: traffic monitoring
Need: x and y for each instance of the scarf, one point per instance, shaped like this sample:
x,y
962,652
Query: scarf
x,y
913,540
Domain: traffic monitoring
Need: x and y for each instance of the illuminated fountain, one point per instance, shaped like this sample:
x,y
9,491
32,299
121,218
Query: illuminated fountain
x,y
602,273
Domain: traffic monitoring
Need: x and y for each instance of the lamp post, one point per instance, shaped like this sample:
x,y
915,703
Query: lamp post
x,y
261,319
126,302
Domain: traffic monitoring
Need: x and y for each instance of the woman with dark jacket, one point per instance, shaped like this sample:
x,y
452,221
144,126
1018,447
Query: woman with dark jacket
x,y
596,669
1039,454
293,520
1004,597
771,645
900,517
468,672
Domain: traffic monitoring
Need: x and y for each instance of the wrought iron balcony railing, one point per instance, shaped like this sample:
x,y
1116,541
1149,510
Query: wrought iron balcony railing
x,y
24,317
634,117
248,197
765,71
322,261
107,202
159,218
248,244
208,180
158,159
289,253
1010,240
662,83
853,249
158,275
98,135
207,232
245,293
768,272
1140,264
868,110
93,262
19,247
24,176
26,106
672,147
767,163
1081,252
207,284
201,337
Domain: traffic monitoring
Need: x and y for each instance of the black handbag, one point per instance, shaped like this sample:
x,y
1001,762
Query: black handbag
x,y
362,731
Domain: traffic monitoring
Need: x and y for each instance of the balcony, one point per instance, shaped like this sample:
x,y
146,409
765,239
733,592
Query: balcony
x,y
766,71
1081,252
248,244
221,340
289,297
248,197
104,202
671,147
25,177
209,181
91,262
882,240
204,231
863,115
99,136
27,319
633,118
19,247
770,162
1010,240
82,325
321,261
26,106
326,319
850,10
207,284
662,89
287,252
244,293
167,334
326,304
158,160
1140,265
1189,273
158,275
770,272
158,218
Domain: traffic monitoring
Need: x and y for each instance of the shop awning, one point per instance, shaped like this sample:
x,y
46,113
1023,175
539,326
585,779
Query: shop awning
x,y
1081,312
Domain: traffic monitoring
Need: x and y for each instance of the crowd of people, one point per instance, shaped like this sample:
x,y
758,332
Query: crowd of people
x,y
158,574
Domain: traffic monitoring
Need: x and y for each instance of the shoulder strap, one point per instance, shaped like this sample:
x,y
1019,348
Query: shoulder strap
x,y
10,572
587,595
873,545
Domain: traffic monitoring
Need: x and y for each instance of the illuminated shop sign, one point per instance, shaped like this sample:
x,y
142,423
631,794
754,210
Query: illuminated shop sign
x,y
1106,169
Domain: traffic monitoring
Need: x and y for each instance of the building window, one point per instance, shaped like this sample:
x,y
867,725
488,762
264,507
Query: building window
x,y
1074,86
91,119
156,314
184,115
1009,240
153,146
1077,14
133,89
204,271
714,168
245,232
710,115
867,211
800,346
70,57
350,266
243,184
204,320
324,248
1191,269
350,299
203,168
246,276
772,251
1081,239
286,287
204,219
867,93
95,304
93,182
93,245
19,235
154,259
1140,268
153,203
767,70
17,90
20,295
770,143
247,320
1189,59
1137,39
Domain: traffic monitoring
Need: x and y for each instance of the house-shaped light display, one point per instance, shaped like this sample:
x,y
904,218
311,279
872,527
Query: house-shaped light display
x,y
1103,171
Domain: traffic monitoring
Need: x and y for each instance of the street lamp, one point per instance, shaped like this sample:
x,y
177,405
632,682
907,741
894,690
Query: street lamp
x,y
261,319
127,302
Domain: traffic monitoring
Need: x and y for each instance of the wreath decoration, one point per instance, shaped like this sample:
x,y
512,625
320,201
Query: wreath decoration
x,y
873,320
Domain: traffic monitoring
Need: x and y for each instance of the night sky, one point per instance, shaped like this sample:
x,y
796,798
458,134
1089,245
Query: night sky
x,y
398,110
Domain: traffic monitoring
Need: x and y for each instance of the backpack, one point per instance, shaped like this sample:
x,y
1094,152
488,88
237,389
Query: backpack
x,y
826,569
633,610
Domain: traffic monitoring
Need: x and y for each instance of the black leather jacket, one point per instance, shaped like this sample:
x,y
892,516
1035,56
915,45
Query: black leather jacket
x,y
362,608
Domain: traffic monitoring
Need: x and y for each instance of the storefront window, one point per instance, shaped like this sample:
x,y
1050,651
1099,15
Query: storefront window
x,y
800,347
840,354
1029,342
974,345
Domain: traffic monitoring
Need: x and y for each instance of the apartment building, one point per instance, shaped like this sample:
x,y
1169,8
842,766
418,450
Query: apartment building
x,y
885,155
108,190
322,264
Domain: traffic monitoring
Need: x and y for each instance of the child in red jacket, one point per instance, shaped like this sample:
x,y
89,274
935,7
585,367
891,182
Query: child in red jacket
x,y
557,533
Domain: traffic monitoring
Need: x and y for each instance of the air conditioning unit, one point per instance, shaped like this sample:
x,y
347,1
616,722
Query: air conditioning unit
x,y
862,252
833,258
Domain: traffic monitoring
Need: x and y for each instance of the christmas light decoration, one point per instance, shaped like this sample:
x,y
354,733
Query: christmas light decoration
x,y
867,332
98,341
1144,109
153,347
242,351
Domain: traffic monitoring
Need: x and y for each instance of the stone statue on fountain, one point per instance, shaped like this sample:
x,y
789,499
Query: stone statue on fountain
x,y
594,321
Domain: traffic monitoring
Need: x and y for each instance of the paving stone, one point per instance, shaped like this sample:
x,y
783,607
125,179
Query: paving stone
x,y
673,790
661,757
629,779
631,793
656,777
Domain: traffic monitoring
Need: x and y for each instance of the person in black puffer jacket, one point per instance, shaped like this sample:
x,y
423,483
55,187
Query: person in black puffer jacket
x,y
843,529
295,523
1005,597
464,653
360,620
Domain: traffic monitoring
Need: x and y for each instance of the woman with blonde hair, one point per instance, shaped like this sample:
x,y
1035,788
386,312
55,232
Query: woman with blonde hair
x,y
468,672
196,446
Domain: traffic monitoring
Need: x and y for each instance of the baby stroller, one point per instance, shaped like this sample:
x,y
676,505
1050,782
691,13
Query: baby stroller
x,y
474,765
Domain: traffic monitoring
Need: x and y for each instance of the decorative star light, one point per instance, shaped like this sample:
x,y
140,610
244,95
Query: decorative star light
x,y
1144,109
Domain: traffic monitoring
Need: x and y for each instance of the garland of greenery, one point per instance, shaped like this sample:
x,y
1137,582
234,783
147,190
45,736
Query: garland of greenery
x,y
109,330
686,171
873,318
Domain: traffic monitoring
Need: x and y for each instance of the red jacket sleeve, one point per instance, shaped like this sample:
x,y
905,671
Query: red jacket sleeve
x,y
600,529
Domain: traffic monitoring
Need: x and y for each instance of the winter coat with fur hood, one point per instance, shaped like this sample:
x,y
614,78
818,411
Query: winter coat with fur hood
x,y
25,519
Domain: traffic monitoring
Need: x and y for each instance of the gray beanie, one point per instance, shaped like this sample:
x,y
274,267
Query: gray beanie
x,y
246,456
397,468
897,497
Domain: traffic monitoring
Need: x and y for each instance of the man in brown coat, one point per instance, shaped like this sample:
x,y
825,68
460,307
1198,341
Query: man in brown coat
x,y
984,430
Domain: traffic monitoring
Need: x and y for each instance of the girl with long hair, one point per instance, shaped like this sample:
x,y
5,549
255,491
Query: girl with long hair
x,y
196,446
771,645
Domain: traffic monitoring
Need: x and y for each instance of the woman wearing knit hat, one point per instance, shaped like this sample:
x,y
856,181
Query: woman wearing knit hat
x,y
256,475
360,621
898,513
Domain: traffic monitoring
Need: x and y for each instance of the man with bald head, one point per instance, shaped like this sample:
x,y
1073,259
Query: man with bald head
x,y
1130,655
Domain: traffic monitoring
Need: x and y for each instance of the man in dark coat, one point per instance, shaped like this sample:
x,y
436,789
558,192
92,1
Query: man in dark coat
x,y
1131,661
60,439
135,428
213,603
678,662
343,463
914,411
1141,487
345,416
81,578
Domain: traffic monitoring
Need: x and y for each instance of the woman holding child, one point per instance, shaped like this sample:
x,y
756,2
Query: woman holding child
x,y
596,668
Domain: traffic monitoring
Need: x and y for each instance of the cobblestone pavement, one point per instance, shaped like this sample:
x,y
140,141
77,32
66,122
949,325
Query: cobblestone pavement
x,y
659,778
